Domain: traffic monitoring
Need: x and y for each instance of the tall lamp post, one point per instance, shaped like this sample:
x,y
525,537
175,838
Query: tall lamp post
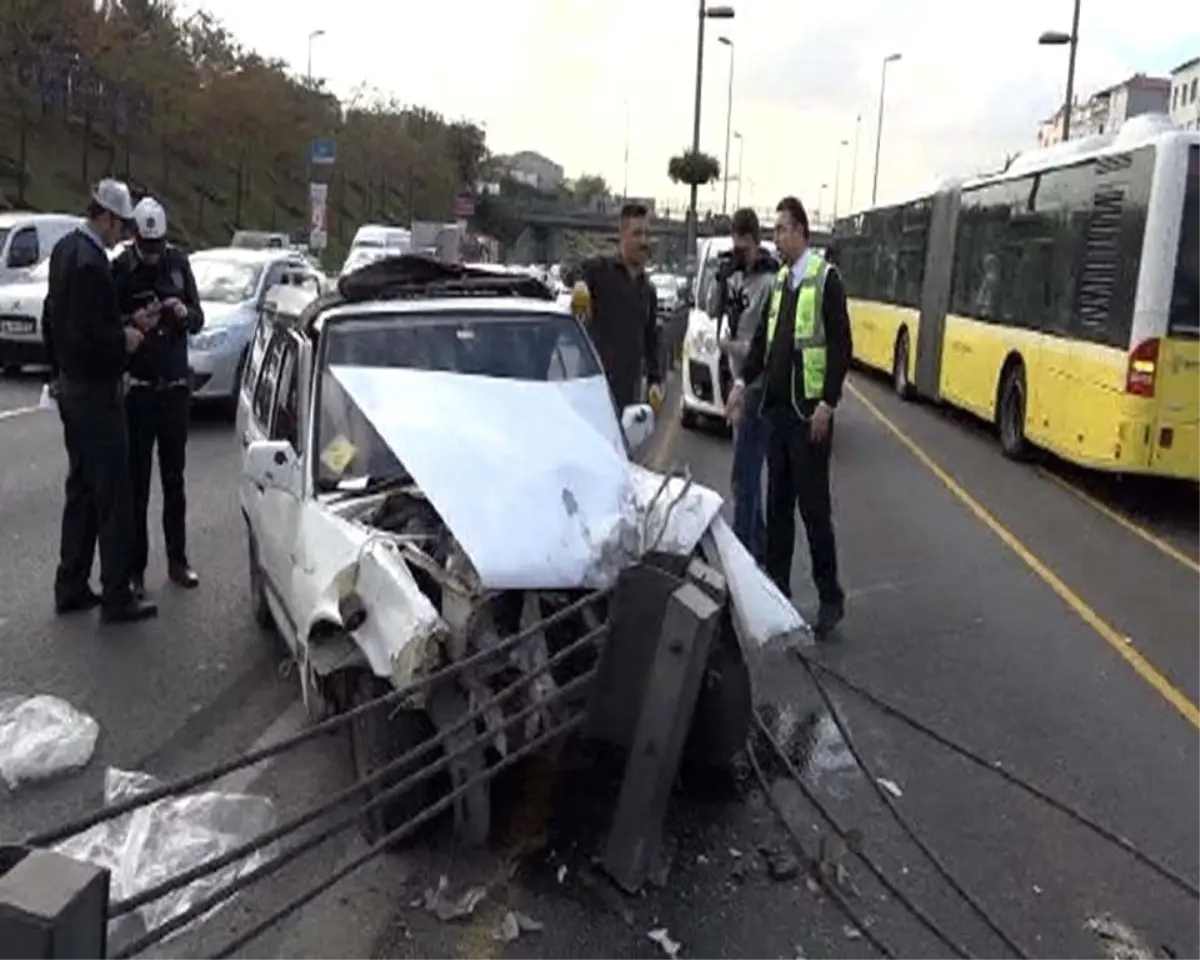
x,y
625,186
705,12
741,151
891,58
1054,38
854,162
728,127
837,177
821,200
311,37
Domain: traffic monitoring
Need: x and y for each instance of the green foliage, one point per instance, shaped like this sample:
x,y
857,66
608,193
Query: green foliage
x,y
693,169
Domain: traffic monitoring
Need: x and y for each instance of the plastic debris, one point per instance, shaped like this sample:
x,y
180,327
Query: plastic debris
x,y
153,843
783,867
41,736
852,933
513,925
890,786
437,903
47,401
1120,941
670,947
562,873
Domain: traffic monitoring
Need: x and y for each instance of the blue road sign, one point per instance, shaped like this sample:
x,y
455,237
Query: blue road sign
x,y
322,152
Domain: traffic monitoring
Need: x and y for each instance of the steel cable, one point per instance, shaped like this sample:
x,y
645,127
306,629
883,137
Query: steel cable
x,y
192,874
218,897
111,811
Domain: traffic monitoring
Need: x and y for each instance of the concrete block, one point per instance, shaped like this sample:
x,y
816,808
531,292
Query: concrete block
x,y
51,906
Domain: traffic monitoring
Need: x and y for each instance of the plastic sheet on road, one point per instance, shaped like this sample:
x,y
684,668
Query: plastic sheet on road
x,y
160,840
41,736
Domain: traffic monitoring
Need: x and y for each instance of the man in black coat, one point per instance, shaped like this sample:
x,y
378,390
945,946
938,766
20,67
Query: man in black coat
x,y
91,345
151,275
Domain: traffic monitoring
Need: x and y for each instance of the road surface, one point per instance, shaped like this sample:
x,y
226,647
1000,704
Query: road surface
x,y
1018,609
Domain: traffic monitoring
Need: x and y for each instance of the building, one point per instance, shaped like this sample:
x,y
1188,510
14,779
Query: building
x,y
1185,78
534,170
1106,110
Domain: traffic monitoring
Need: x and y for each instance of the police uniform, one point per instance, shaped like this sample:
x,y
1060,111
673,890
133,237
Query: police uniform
x,y
802,353
89,350
150,273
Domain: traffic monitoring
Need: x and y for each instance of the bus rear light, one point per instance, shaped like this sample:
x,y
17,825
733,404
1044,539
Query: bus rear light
x,y
1143,362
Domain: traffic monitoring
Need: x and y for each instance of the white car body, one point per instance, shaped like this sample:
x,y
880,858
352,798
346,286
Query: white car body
x,y
531,480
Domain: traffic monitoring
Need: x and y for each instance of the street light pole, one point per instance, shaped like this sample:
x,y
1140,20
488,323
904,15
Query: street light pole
x,y
837,178
821,201
854,162
625,186
728,127
704,13
741,151
892,58
1052,38
311,37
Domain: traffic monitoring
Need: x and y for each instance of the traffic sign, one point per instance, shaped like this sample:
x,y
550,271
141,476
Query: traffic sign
x,y
322,152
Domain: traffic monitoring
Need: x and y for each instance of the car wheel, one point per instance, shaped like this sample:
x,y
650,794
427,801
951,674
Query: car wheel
x,y
687,418
1010,414
379,737
258,588
900,382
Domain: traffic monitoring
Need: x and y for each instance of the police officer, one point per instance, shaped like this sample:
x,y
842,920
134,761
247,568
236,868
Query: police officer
x,y
802,353
152,276
90,347
743,291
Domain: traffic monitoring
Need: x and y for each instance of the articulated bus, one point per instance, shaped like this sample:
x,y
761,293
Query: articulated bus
x,y
1059,300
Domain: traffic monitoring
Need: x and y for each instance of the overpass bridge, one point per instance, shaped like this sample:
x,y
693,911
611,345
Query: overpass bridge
x,y
545,227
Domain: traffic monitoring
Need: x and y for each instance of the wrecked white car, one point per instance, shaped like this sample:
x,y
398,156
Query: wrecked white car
x,y
433,461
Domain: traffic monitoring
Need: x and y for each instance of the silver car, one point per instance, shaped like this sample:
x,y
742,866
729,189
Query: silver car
x,y
233,283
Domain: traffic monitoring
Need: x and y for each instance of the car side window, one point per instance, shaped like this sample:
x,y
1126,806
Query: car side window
x,y
285,420
274,276
258,350
23,249
264,390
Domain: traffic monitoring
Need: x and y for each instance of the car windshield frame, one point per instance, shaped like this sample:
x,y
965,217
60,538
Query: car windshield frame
x,y
348,483
252,270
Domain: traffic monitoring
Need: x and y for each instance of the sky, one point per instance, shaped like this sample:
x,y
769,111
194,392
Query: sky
x,y
567,78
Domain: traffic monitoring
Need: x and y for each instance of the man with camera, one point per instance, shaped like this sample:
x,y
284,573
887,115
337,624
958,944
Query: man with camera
x,y
155,280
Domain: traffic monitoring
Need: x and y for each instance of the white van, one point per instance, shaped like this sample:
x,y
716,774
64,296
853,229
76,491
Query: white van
x,y
26,239
373,242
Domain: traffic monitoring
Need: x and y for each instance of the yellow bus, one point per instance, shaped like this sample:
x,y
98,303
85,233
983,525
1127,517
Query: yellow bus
x,y
1059,300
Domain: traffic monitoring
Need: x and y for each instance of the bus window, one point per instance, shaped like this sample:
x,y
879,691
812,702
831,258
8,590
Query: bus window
x,y
1184,318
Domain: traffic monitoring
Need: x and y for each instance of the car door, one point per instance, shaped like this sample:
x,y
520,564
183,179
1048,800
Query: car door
x,y
258,427
279,510
253,367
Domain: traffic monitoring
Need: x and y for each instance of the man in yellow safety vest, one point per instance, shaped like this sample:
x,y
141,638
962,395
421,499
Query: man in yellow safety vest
x,y
802,353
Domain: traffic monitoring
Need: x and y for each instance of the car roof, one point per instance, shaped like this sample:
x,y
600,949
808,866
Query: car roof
x,y
526,305
11,217
249,255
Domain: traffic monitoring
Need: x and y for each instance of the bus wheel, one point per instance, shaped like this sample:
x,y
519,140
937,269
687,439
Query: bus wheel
x,y
1010,414
900,382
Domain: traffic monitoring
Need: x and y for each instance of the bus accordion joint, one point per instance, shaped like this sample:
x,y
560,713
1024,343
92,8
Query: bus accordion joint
x,y
1143,363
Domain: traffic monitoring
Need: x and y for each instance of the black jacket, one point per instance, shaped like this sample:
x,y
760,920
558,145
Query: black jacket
x,y
82,328
163,355
780,365
624,325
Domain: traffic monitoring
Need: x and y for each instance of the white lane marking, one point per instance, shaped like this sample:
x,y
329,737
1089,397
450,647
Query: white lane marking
x,y
288,723
8,414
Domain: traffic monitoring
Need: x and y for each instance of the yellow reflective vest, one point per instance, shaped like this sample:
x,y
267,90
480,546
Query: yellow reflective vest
x,y
809,337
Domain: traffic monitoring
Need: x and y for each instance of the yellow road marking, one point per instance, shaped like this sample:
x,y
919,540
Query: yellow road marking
x,y
1117,517
665,442
1127,651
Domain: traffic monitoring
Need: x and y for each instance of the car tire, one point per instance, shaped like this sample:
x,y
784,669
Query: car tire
x,y
1011,412
900,381
379,737
258,587
687,418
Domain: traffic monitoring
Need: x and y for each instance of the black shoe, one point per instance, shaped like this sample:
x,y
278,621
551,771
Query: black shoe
x,y
130,611
137,586
88,600
828,617
183,575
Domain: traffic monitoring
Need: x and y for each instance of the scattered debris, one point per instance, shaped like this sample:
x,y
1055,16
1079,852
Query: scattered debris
x,y
670,947
562,873
812,886
701,859
1037,889
799,952
41,736
890,786
852,933
830,861
783,867
437,903
735,852
513,925
1120,941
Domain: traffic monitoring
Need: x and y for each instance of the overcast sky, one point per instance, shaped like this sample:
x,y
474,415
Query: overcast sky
x,y
554,76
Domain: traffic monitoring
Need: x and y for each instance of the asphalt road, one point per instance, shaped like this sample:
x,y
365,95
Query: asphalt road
x,y
1031,620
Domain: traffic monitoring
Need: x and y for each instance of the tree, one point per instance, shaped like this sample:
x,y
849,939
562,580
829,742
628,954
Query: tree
x,y
589,188
694,169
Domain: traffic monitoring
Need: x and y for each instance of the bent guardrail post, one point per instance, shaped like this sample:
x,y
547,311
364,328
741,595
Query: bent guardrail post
x,y
663,719
51,907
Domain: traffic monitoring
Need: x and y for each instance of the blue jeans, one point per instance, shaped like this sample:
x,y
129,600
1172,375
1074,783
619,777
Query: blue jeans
x,y
749,445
